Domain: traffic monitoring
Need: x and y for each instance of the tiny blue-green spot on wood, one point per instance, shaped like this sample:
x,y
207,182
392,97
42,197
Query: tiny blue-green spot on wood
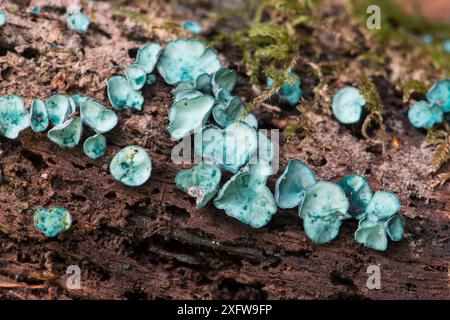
x,y
95,147
427,39
151,79
122,96
348,105
97,117
67,134
380,222
289,91
358,193
246,197
38,116
36,10
53,221
185,60
148,56
446,45
58,108
421,115
188,114
224,114
324,207
13,116
136,76
230,148
3,18
291,186
440,94
78,22
132,166
192,27
201,182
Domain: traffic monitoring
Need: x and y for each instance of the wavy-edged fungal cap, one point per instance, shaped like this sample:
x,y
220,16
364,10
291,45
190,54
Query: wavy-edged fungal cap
x,y
440,94
58,108
136,76
192,27
381,221
289,91
78,22
13,116
348,105
97,117
201,182
185,60
95,147
251,120
324,207
3,18
147,56
421,115
223,79
78,99
291,186
122,96
68,134
188,114
53,221
230,148
132,166
224,114
38,116
358,192
246,197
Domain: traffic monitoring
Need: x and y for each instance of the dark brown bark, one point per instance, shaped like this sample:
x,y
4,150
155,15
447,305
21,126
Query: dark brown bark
x,y
151,242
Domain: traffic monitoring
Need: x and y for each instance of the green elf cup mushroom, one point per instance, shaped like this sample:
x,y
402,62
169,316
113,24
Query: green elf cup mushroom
x,y
68,134
187,94
381,221
78,99
223,79
324,207
440,94
136,76
230,148
132,166
95,147
422,115
446,45
246,197
185,60
290,91
122,96
97,117
291,186
201,182
148,56
192,27
224,114
3,18
13,116
189,114
59,107
151,79
358,193
78,22
53,221
38,116
347,105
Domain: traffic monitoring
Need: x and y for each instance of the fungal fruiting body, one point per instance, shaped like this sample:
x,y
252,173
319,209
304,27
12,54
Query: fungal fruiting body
x,y
58,108
67,134
423,115
96,116
358,192
122,96
440,94
192,27
132,166
3,18
136,76
95,147
78,22
380,221
324,207
290,91
38,116
13,116
446,45
53,221
185,60
347,105
148,56
201,182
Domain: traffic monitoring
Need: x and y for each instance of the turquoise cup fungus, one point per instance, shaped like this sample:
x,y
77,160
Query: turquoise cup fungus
x,y
67,134
192,27
347,105
53,221
78,22
290,91
38,116
95,147
97,117
358,193
132,166
13,116
440,94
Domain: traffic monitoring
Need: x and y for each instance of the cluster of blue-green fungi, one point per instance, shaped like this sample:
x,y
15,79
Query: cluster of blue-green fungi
x,y
65,114
78,22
